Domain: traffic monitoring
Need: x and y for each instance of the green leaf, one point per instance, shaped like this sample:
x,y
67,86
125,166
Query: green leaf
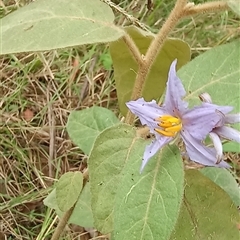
x,y
114,171
231,147
84,126
215,72
125,67
224,179
147,205
234,5
207,211
68,189
105,164
50,24
50,201
82,213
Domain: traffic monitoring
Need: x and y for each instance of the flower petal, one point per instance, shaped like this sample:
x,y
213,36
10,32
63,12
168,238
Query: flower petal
x,y
206,98
228,133
217,145
232,118
147,112
174,93
200,120
151,149
224,109
201,154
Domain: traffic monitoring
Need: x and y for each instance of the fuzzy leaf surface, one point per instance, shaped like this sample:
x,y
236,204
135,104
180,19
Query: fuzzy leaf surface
x,y
84,126
68,189
114,170
224,179
207,211
234,5
82,213
216,72
147,204
50,24
231,146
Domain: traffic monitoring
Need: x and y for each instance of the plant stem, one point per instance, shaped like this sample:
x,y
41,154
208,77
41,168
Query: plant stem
x,y
153,51
64,220
133,48
181,9
170,23
62,224
191,9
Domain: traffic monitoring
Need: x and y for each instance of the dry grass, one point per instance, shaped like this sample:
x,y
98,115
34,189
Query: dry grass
x,y
38,90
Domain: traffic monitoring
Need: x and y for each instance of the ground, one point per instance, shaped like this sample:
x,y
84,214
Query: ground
x,y
37,93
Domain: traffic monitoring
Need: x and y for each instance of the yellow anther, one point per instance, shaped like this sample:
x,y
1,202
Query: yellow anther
x,y
164,124
165,117
169,125
174,129
164,133
173,120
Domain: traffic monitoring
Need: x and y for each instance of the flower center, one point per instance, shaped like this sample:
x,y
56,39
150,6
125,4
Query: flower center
x,y
170,125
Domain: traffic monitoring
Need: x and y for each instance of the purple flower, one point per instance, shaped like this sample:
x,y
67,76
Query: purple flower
x,y
223,128
174,117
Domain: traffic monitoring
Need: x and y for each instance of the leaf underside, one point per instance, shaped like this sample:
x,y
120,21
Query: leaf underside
x,y
50,24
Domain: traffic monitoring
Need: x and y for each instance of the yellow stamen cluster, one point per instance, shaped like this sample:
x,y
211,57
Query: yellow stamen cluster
x,y
170,125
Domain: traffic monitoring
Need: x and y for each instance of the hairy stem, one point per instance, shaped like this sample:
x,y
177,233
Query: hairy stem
x,y
191,9
62,224
153,51
181,9
170,23
133,48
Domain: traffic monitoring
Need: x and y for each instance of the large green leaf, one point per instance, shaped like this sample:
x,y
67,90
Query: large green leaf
x,y
223,178
105,164
84,126
82,213
125,67
207,211
216,72
50,24
231,146
147,205
234,5
68,189
121,193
